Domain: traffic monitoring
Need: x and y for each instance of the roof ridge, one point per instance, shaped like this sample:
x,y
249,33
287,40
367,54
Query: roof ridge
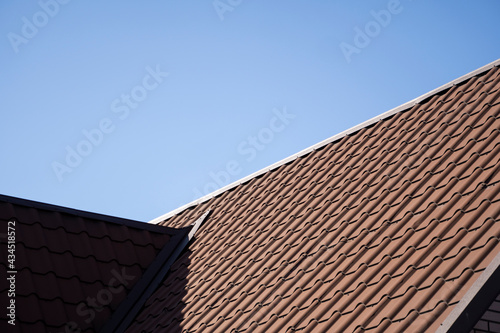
x,y
84,214
331,139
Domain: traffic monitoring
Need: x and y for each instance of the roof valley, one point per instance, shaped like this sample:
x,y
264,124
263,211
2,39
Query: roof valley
x,y
424,153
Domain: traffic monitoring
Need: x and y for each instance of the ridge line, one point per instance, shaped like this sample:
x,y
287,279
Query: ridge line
x,y
331,139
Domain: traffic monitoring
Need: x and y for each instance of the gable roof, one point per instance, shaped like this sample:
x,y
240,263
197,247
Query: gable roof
x,y
404,107
73,268
385,227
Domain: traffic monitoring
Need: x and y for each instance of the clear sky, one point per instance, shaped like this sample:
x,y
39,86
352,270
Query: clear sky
x,y
134,108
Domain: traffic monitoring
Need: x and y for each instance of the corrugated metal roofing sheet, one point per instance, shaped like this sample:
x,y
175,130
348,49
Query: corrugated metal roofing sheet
x,y
383,229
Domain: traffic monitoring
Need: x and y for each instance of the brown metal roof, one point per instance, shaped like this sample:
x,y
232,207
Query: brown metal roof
x,y
65,258
385,228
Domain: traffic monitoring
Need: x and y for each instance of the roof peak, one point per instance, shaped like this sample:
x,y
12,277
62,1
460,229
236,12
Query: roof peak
x,y
333,138
83,214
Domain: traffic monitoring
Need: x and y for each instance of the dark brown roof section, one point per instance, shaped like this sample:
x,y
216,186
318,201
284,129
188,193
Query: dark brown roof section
x,y
73,268
385,228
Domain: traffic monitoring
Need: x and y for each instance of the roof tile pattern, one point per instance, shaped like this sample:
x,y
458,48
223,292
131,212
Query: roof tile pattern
x,y
382,230
63,261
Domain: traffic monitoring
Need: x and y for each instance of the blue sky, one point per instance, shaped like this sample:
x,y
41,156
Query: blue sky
x,y
134,108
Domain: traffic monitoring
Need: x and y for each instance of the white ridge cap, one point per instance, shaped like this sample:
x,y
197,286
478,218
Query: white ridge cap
x,y
336,137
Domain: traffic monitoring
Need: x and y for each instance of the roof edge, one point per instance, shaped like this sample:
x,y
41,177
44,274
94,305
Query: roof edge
x,y
85,214
470,308
336,137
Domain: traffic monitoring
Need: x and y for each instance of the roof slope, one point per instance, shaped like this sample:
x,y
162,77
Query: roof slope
x,y
385,228
65,258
